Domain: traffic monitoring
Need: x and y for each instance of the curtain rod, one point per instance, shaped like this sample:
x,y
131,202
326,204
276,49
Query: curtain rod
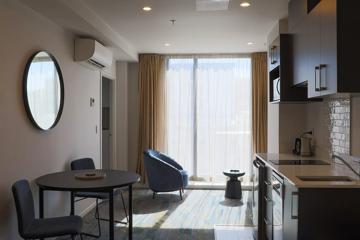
x,y
200,55
211,55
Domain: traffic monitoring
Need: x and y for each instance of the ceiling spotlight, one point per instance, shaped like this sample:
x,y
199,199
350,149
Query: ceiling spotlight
x,y
167,44
245,4
250,43
147,9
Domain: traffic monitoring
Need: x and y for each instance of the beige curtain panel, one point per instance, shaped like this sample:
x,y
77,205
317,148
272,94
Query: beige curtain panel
x,y
152,106
259,101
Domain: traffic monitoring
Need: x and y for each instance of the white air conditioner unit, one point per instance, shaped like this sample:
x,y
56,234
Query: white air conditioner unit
x,y
92,52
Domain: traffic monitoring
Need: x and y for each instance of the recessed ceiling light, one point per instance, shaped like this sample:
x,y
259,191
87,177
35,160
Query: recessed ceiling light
x,y
250,43
245,4
147,9
167,44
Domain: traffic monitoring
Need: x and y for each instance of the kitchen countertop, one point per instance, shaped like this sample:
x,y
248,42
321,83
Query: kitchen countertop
x,y
291,172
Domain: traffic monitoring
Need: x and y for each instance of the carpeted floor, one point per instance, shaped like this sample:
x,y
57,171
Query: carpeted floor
x,y
167,217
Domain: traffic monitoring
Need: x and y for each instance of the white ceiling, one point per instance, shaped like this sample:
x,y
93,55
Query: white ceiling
x,y
194,32
123,25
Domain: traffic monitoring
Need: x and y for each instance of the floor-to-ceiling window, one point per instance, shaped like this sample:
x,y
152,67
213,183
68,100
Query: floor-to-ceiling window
x,y
209,114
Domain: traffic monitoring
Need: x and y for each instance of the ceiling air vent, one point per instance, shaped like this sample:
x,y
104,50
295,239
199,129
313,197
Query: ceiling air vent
x,y
212,5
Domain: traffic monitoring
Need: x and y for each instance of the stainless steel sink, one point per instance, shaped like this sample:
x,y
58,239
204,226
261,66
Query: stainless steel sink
x,y
326,178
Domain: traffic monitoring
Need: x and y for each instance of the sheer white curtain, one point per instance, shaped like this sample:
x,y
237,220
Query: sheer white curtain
x,y
223,116
180,112
209,114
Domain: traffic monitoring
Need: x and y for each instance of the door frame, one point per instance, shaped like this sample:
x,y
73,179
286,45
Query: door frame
x,y
112,161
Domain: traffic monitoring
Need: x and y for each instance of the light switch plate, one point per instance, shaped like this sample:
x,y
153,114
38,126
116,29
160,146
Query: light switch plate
x,y
92,102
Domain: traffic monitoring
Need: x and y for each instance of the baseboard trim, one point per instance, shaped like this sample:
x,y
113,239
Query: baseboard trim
x,y
201,187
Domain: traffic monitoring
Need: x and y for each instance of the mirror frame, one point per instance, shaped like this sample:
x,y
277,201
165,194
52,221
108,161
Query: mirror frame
x,y
25,94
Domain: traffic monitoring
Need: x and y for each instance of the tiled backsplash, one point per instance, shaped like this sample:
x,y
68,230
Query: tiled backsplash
x,y
339,125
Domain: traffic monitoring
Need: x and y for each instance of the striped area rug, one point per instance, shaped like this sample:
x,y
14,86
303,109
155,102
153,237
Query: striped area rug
x,y
233,232
167,217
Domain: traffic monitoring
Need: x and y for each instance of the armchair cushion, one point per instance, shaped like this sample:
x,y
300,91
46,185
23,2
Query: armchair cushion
x,y
185,178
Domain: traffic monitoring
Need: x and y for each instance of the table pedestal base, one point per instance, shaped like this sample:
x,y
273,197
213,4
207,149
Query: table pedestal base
x,y
233,189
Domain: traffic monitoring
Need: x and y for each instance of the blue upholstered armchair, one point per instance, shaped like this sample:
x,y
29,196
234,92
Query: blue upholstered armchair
x,y
164,174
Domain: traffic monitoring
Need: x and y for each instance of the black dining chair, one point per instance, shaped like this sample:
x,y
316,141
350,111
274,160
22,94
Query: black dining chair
x,y
31,228
88,164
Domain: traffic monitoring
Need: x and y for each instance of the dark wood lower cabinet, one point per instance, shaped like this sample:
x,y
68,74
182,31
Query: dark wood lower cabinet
x,y
321,213
331,214
308,213
290,216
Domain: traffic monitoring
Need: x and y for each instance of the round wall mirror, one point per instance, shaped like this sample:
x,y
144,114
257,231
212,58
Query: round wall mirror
x,y
43,90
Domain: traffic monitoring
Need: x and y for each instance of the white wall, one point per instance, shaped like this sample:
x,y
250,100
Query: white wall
x,y
355,126
26,152
286,121
273,128
294,119
274,109
133,115
121,116
317,118
292,123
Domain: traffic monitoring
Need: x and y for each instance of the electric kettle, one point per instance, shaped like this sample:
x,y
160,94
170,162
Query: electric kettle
x,y
303,145
305,149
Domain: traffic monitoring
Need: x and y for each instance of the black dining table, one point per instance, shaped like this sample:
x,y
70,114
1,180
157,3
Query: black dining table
x,y
67,181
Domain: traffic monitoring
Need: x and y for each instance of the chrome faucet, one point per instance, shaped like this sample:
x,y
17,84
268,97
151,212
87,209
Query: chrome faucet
x,y
346,163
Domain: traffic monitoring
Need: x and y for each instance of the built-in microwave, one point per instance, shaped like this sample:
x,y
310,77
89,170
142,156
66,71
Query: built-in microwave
x,y
276,89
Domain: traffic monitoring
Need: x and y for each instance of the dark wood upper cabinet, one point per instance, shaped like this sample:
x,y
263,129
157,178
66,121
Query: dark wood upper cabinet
x,y
313,52
281,87
328,51
326,46
274,54
301,53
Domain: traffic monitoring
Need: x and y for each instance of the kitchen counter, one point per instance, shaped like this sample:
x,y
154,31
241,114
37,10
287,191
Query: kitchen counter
x,y
291,172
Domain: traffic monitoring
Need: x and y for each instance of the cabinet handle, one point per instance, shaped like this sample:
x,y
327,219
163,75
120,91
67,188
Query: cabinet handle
x,y
322,66
317,68
293,194
273,53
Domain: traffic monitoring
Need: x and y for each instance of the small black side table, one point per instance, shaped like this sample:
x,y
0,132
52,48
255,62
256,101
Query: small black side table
x,y
233,185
